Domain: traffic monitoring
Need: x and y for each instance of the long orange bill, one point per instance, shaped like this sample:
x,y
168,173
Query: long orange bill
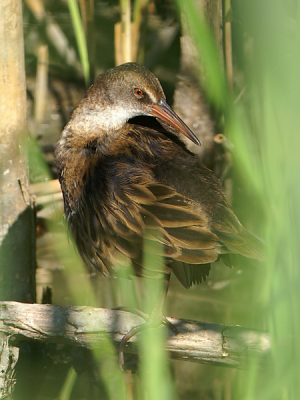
x,y
164,111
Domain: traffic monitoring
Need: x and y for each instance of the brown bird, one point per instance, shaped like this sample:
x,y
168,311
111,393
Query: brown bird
x,y
120,177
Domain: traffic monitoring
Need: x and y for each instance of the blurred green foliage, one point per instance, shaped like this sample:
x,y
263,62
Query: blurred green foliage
x,y
261,118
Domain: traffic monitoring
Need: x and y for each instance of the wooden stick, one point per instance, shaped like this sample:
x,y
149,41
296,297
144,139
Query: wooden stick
x,y
41,89
43,188
87,327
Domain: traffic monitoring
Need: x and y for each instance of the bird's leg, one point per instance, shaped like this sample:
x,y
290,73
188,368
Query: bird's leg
x,y
157,311
165,319
155,319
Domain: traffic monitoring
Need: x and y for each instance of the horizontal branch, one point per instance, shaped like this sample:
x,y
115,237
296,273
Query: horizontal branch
x,y
87,326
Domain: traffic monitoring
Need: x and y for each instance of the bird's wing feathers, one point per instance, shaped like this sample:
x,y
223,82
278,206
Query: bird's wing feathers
x,y
108,236
112,235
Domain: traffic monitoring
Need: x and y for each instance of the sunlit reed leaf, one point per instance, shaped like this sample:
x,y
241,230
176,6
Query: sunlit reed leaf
x,y
80,38
68,385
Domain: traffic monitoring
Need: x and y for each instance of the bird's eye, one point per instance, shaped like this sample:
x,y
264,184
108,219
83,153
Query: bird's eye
x,y
138,92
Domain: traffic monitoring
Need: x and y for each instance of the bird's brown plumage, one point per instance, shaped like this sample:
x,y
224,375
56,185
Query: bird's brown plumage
x,y
121,179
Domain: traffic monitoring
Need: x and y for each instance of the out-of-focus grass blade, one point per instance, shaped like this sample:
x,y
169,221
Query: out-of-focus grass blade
x,y
38,168
80,38
264,128
82,291
156,381
68,385
272,121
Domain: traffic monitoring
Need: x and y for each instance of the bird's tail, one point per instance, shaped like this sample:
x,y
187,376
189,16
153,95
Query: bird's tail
x,y
245,243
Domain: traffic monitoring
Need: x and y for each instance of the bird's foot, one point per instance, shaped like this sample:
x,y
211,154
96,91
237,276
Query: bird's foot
x,y
151,322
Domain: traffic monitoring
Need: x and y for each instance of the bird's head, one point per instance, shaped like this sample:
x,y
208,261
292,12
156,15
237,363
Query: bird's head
x,y
125,92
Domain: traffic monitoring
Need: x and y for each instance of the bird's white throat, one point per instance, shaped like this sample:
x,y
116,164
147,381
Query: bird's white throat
x,y
93,121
